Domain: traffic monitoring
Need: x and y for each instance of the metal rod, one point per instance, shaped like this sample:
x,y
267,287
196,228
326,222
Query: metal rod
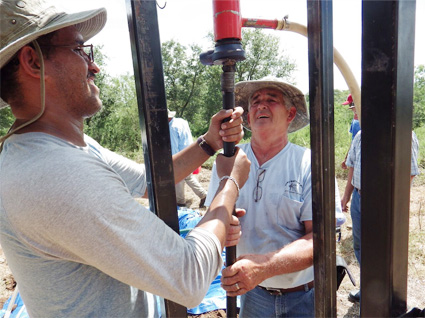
x,y
323,162
228,91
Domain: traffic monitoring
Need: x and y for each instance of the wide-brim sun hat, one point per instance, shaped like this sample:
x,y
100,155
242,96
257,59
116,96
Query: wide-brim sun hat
x,y
245,89
25,20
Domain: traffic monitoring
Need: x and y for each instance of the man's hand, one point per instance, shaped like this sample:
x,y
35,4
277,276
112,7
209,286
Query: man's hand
x,y
234,233
244,275
344,203
231,131
343,165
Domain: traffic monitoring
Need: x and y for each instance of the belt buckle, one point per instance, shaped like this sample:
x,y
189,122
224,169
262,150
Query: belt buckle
x,y
274,292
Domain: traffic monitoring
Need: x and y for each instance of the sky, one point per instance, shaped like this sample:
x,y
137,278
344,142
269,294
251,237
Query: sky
x,y
189,21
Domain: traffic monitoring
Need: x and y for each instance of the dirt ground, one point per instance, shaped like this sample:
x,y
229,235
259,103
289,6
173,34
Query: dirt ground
x,y
346,309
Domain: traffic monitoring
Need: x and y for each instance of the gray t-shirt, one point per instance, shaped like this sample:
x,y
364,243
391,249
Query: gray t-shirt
x,y
76,239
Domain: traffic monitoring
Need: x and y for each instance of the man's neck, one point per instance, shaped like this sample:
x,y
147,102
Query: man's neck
x,y
268,147
71,132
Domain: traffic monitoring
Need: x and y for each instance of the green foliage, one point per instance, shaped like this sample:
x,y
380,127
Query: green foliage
x,y
6,120
419,97
420,133
263,57
342,120
116,126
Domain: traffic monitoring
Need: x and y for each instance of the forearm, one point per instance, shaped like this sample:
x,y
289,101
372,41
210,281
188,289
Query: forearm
x,y
349,188
218,217
294,257
187,160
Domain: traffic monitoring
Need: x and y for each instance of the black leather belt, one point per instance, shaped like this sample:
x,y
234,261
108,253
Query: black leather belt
x,y
358,190
280,291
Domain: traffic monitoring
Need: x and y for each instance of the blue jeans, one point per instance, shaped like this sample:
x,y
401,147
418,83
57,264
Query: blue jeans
x,y
357,222
259,303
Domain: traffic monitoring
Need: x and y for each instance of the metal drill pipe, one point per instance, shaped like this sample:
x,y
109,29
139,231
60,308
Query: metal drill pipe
x,y
228,91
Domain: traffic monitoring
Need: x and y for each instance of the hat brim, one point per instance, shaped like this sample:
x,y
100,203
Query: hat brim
x,y
88,23
245,89
346,103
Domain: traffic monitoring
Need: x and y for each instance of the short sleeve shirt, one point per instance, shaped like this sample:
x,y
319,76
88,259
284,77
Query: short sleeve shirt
x,y
276,218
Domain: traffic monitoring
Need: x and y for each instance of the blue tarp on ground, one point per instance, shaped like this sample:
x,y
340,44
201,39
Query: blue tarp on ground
x,y
19,312
215,298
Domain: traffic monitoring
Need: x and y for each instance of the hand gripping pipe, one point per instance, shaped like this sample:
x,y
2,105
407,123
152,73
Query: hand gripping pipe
x,y
228,50
343,67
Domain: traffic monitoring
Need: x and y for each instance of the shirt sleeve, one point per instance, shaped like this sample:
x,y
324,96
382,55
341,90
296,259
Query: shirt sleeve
x,y
132,173
414,168
351,157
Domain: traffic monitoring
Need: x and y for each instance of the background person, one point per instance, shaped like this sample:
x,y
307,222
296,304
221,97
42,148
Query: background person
x,y
354,126
181,137
75,239
353,189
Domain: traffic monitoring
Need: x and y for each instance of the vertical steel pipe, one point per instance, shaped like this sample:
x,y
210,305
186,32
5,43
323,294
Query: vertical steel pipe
x,y
148,73
320,58
387,103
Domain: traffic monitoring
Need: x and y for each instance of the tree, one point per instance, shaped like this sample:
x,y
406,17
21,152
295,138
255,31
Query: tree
x,y
263,57
183,73
419,97
116,125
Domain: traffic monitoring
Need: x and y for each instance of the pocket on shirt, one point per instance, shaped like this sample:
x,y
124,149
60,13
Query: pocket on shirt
x,y
288,212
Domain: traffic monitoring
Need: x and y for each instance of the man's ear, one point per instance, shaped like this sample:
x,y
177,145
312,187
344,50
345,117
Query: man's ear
x,y
248,119
29,61
292,114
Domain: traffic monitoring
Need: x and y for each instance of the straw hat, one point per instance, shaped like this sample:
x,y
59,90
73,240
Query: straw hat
x,y
25,20
245,89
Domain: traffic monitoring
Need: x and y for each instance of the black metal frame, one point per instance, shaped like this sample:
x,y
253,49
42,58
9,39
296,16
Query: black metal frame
x,y
387,103
320,60
148,73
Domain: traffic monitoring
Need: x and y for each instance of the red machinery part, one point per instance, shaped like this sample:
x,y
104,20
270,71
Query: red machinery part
x,y
227,19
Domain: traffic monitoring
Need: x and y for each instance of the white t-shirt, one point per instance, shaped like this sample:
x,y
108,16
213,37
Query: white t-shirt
x,y
276,219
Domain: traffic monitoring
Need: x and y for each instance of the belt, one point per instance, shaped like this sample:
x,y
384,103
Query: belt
x,y
358,190
280,291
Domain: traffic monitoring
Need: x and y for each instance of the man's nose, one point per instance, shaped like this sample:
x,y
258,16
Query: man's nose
x,y
262,104
94,68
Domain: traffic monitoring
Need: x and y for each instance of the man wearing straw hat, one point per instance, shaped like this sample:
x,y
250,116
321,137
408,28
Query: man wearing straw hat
x,y
73,235
274,269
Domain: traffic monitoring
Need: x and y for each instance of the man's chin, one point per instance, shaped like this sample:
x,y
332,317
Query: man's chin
x,y
94,108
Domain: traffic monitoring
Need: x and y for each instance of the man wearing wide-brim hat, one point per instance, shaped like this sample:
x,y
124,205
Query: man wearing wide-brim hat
x,y
275,253
76,240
